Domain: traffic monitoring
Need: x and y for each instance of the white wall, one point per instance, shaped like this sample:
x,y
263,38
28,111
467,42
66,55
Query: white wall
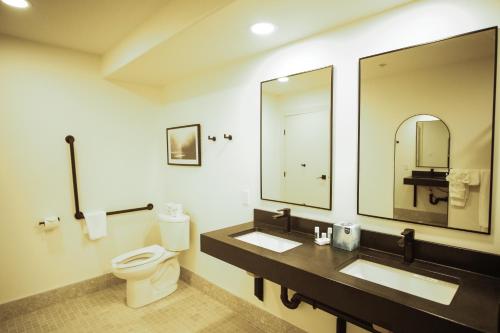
x,y
227,100
45,94
272,152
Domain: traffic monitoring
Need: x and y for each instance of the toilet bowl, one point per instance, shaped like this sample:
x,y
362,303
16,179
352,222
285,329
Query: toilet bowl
x,y
152,272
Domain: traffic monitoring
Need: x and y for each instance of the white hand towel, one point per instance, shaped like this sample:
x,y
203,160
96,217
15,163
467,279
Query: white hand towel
x,y
474,177
97,225
484,199
460,180
458,176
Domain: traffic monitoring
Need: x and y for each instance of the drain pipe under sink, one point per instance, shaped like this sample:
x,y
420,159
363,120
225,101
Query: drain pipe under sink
x,y
342,317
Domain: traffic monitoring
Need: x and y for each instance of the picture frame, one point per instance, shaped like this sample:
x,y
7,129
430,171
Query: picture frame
x,y
184,145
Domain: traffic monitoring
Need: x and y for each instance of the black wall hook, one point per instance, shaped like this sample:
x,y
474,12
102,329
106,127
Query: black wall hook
x,y
228,136
213,138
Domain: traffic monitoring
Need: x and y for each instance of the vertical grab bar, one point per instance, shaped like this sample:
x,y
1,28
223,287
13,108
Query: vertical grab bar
x,y
78,214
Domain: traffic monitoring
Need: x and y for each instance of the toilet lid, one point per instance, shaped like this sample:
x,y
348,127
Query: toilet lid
x,y
138,257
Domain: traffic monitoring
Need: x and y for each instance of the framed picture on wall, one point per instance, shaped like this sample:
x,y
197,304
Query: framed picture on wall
x,y
184,145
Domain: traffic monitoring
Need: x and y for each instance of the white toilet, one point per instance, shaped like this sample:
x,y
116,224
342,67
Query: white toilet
x,y
152,272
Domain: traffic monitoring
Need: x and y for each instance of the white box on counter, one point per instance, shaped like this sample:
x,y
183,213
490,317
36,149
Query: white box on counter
x,y
346,235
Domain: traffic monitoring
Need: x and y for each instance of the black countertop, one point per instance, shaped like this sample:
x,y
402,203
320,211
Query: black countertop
x,y
313,270
427,178
439,182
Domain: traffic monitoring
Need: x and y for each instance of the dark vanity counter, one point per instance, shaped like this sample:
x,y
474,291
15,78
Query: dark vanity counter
x,y
313,271
439,182
427,178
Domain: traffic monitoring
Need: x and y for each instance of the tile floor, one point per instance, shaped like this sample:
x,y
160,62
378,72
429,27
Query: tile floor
x,y
187,310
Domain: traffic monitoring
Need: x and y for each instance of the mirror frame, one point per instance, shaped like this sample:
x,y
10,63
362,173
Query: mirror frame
x,y
495,71
330,141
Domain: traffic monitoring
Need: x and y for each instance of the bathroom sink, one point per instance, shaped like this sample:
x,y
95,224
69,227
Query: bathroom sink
x,y
270,242
419,285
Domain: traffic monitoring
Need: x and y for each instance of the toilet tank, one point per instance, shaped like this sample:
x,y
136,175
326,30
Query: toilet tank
x,y
174,231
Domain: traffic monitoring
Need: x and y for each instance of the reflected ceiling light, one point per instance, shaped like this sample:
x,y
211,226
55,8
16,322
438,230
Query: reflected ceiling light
x,y
283,79
17,3
262,28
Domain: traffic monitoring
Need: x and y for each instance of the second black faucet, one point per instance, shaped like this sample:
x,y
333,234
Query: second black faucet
x,y
407,242
285,213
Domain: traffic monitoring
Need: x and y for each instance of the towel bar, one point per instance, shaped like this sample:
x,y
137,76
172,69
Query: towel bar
x,y
78,214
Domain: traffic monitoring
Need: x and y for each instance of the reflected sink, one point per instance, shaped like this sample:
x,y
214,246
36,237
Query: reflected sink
x,y
419,285
270,242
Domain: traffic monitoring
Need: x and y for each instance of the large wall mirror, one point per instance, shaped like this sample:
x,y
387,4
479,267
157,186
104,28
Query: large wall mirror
x,y
296,139
426,124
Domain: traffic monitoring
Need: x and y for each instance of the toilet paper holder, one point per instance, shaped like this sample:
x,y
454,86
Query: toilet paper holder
x,y
42,223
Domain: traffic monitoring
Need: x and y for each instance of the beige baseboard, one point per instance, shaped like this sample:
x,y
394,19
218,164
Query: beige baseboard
x,y
35,302
260,318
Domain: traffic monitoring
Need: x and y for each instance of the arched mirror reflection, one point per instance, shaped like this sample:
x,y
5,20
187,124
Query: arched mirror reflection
x,y
421,159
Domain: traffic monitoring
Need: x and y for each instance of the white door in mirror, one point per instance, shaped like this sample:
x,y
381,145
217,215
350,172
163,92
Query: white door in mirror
x,y
270,242
422,286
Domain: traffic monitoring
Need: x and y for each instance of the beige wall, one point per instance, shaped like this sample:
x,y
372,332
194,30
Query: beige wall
x,y
227,100
45,94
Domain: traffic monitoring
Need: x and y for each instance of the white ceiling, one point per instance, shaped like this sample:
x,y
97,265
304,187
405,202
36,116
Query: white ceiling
x,y
201,34
457,50
224,36
300,82
87,25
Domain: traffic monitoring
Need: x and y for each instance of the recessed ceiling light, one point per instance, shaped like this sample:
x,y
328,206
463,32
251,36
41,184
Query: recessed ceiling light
x,y
283,79
17,3
262,28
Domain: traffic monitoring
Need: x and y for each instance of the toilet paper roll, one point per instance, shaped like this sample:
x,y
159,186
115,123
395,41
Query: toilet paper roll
x,y
50,223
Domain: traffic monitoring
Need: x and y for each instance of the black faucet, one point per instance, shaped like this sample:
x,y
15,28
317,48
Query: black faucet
x,y
407,242
285,213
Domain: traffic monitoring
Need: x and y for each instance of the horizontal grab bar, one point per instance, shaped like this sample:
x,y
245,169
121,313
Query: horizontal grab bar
x,y
79,215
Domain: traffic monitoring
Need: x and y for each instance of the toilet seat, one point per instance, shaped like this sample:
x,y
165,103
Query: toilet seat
x,y
140,257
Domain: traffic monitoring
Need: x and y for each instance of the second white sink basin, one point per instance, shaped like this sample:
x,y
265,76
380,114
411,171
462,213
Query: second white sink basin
x,y
270,242
422,286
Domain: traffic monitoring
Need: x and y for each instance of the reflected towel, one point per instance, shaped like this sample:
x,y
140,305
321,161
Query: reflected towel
x,y
484,200
460,180
97,225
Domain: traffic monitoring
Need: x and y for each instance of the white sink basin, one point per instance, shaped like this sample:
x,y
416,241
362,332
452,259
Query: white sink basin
x,y
411,283
270,242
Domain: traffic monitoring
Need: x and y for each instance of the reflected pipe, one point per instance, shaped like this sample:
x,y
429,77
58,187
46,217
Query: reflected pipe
x,y
342,317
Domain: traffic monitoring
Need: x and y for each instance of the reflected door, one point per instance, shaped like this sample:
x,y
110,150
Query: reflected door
x,y
306,164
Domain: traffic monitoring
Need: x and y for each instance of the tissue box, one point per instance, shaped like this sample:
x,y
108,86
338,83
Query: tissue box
x,y
346,235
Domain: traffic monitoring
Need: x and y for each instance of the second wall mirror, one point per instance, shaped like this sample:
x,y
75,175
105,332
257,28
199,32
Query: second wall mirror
x,y
426,120
296,139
